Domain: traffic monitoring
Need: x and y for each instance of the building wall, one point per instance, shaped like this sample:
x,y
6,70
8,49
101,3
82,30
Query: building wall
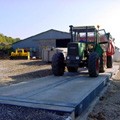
x,y
26,44
46,44
39,45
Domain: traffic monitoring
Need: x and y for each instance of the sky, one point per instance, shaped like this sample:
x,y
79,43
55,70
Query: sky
x,y
25,18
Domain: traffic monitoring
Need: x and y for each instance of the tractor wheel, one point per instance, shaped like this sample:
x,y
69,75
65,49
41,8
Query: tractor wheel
x,y
101,68
72,69
93,64
109,62
58,65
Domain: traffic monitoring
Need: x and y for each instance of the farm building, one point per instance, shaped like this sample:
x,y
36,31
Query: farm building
x,y
50,38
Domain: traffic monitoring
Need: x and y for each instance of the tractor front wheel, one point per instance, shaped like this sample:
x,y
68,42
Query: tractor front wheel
x,y
58,65
93,64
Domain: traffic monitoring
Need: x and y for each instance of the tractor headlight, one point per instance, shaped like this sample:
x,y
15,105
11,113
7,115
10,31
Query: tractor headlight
x,y
77,58
68,57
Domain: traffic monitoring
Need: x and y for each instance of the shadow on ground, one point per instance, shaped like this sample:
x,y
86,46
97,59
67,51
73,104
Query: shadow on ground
x,y
37,63
30,76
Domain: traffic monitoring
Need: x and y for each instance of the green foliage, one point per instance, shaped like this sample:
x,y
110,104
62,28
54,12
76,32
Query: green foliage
x,y
5,45
6,42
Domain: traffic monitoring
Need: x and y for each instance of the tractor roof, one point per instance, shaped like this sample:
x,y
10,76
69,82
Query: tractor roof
x,y
83,29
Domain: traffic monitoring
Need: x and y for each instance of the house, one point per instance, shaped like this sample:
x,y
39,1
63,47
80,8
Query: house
x,y
50,38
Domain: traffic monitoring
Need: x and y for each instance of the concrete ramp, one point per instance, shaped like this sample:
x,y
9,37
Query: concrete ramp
x,y
71,93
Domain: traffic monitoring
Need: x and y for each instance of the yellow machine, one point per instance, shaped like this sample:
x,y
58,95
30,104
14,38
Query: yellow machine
x,y
20,54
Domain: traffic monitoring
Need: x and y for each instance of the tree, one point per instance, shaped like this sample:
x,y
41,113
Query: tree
x,y
6,43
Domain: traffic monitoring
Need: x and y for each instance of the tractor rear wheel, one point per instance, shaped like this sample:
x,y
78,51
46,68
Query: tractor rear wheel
x,y
58,65
101,68
109,62
72,69
93,64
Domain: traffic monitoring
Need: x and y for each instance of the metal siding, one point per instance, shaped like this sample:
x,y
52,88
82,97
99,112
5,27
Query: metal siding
x,y
48,35
26,44
38,41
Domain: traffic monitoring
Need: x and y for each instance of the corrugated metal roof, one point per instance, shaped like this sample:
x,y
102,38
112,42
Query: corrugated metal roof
x,y
50,34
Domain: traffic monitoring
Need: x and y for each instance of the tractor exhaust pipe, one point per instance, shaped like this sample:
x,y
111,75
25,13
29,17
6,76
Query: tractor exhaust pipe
x,y
71,32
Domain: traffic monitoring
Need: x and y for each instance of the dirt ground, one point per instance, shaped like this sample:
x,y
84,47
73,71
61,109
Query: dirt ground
x,y
15,71
108,107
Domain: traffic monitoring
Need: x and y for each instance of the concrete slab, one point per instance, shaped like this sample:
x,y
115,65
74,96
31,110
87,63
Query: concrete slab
x,y
71,93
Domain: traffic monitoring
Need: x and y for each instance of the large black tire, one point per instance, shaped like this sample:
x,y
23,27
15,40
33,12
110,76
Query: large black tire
x,y
101,68
109,62
72,69
93,64
58,65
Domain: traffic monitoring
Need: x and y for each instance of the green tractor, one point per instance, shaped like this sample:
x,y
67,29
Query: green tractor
x,y
85,50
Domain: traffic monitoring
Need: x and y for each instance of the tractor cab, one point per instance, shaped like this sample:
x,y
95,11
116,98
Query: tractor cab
x,y
87,35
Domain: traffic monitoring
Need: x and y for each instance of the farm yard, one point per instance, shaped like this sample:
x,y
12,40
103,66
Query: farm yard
x,y
16,71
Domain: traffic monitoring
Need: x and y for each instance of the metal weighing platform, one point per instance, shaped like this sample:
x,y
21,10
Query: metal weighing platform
x,y
71,93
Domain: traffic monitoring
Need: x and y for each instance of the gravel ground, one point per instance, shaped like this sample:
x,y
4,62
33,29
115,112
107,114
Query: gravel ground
x,y
15,71
9,112
108,107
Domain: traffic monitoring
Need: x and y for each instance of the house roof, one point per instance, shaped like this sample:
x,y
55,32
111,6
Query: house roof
x,y
50,34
